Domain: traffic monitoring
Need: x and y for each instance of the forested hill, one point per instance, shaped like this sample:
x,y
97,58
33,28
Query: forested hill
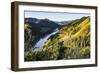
x,y
71,42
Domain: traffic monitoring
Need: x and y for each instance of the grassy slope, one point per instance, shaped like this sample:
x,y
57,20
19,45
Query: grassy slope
x,y
72,42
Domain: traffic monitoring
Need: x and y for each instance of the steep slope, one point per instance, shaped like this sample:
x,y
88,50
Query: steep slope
x,y
71,42
41,26
35,29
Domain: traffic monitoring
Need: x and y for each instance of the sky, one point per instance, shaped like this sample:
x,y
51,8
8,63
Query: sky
x,y
54,16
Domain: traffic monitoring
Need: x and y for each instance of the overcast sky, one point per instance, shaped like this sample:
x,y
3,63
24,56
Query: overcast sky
x,y
55,16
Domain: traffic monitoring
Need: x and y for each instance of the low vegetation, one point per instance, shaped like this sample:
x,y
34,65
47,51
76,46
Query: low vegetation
x,y
71,42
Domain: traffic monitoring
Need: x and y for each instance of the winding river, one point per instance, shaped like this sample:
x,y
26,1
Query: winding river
x,y
44,39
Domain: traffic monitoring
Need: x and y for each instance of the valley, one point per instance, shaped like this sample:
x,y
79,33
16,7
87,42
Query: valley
x,y
71,40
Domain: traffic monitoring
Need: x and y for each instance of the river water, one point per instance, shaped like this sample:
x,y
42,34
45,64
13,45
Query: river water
x,y
44,39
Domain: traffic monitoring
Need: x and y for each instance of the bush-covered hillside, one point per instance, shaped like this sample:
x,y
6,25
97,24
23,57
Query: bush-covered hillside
x,y
71,42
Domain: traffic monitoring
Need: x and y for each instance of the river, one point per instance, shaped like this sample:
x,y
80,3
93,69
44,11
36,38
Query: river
x,y
44,39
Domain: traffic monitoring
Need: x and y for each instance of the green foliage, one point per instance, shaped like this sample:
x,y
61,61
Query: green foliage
x,y
85,52
71,42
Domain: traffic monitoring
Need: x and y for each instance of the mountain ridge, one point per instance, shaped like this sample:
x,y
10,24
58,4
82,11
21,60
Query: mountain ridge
x,y
71,42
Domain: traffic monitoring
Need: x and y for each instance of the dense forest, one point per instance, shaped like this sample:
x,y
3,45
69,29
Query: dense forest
x,y
72,41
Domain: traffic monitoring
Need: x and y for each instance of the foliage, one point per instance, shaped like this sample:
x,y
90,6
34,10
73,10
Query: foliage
x,y
71,42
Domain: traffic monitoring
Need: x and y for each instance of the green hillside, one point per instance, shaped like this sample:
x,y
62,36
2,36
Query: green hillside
x,y
71,42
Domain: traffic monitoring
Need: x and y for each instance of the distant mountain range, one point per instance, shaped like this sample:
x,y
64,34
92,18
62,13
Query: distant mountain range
x,y
37,21
61,23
